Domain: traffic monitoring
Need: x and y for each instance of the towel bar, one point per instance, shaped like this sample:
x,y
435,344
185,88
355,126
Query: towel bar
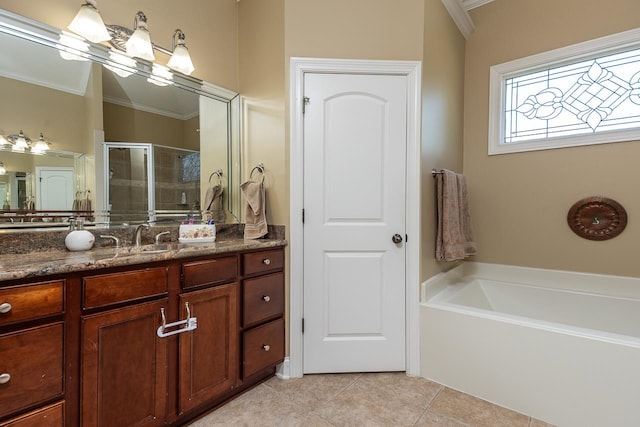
x,y
435,172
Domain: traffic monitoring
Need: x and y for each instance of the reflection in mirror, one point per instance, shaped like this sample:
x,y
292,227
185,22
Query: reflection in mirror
x,y
81,105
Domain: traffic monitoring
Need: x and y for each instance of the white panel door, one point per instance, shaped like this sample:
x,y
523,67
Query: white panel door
x,y
54,188
354,203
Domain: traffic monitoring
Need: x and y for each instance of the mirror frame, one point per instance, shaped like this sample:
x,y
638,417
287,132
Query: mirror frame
x,y
44,34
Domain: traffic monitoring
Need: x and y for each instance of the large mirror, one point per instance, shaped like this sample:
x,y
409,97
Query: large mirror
x,y
125,146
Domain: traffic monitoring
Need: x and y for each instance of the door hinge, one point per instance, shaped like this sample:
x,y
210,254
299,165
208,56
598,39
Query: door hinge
x,y
303,216
305,101
303,325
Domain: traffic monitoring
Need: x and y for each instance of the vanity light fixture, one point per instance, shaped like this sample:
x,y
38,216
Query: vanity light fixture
x,y
88,23
40,146
139,44
20,142
180,59
3,171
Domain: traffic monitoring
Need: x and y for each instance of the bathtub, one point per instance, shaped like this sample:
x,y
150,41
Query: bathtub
x,y
559,346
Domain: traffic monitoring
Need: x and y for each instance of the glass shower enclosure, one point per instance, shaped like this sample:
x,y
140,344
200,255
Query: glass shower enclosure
x,y
150,183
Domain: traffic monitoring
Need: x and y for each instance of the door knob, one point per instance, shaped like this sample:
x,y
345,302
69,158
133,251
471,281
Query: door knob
x,y
396,238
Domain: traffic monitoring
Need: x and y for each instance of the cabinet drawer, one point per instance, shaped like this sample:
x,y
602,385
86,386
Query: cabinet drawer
x,y
33,362
263,298
50,416
209,272
33,301
108,289
261,262
263,346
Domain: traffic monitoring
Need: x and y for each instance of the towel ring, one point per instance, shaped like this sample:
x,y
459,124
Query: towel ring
x,y
216,172
260,168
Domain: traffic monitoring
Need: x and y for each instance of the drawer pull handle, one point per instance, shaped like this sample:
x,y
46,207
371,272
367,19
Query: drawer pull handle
x,y
266,298
266,261
266,347
5,307
190,323
5,378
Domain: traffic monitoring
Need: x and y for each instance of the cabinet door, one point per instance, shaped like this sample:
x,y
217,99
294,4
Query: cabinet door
x,y
124,367
209,354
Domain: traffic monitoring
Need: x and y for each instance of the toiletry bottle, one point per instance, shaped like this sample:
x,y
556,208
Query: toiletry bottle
x,y
78,238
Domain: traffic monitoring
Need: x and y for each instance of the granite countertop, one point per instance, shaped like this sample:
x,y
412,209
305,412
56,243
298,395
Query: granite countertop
x,y
35,264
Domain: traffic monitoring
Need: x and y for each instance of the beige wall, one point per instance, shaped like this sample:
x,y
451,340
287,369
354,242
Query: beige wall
x,y
442,115
519,202
358,29
124,124
36,109
261,56
210,28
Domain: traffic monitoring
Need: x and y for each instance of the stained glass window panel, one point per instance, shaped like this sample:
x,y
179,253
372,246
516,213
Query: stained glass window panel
x,y
586,97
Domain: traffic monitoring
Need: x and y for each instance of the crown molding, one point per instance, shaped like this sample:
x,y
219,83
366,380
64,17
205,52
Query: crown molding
x,y
460,16
472,4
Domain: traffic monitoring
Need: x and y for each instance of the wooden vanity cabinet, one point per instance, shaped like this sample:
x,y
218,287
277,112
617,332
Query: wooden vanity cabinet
x,y
85,350
262,311
32,355
123,361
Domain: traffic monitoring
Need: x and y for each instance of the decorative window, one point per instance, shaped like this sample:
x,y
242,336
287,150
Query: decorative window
x,y
191,167
579,95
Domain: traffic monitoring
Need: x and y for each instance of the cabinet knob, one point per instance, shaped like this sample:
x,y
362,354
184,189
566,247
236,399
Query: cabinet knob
x,y
5,378
266,261
266,298
266,347
5,307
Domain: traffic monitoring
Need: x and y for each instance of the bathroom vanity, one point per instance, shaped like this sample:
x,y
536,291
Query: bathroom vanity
x,y
115,337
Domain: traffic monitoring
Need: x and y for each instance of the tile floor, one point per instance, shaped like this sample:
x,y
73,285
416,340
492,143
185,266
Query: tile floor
x,y
380,399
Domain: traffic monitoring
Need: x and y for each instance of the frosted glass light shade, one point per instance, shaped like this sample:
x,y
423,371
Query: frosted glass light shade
x,y
20,143
181,60
3,141
139,45
88,23
40,146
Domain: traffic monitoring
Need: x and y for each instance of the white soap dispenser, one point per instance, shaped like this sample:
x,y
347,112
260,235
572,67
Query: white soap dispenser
x,y
78,238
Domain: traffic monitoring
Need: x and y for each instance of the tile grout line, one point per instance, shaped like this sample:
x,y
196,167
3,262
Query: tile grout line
x,y
426,409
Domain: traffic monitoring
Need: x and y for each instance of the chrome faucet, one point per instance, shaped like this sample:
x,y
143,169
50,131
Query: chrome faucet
x,y
159,235
137,235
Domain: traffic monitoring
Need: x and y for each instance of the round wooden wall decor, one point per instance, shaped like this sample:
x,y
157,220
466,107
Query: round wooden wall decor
x,y
597,218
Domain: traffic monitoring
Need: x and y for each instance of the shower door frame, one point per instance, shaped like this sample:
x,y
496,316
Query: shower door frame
x,y
151,202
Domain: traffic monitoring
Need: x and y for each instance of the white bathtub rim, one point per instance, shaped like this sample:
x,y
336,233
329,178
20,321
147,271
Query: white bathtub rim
x,y
617,286
450,291
561,328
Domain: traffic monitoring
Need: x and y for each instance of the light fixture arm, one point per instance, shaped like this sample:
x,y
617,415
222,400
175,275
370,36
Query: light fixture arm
x,y
181,39
140,17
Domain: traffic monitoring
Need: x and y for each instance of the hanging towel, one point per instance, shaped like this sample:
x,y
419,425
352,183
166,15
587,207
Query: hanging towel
x,y
255,211
455,239
214,208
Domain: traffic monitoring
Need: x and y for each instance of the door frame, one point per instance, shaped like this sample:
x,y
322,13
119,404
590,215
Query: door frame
x,y
412,70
